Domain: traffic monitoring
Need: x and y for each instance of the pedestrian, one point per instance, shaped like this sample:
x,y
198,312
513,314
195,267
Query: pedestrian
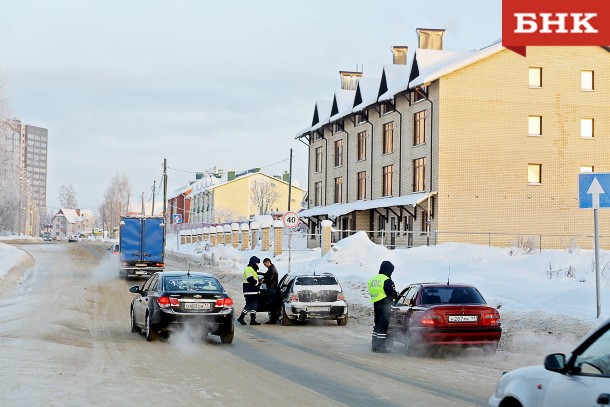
x,y
382,290
251,289
270,279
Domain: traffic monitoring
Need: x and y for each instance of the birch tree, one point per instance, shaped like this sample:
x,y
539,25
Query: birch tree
x,y
9,166
114,205
67,197
263,194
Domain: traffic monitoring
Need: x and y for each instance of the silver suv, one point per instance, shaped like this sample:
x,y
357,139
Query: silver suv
x,y
312,296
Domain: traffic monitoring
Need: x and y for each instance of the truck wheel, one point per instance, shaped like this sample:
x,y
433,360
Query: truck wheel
x,y
151,334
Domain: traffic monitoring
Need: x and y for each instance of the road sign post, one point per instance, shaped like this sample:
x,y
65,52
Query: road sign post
x,y
291,220
594,193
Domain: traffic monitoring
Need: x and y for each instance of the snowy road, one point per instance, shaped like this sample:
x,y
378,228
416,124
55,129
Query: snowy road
x,y
66,341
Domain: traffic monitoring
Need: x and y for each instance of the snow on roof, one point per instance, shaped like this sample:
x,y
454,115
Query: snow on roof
x,y
367,91
344,99
397,79
70,215
433,64
204,184
322,109
345,208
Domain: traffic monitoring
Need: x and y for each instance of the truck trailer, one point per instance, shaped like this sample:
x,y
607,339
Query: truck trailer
x,y
141,246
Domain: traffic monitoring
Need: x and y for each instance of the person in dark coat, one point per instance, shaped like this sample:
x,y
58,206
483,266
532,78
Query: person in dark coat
x,y
383,293
251,289
270,279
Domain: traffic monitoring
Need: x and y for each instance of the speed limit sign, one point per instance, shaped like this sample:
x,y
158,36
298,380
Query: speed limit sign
x,y
291,220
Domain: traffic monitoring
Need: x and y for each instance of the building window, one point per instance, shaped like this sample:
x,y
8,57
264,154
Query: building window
x,y
338,153
338,127
424,221
421,93
362,146
419,128
361,118
535,77
586,80
318,159
387,181
361,185
318,134
385,108
586,128
419,170
318,194
534,125
380,225
338,189
534,173
388,138
586,168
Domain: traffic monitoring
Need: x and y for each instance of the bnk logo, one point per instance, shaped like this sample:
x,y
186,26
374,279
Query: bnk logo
x,y
554,22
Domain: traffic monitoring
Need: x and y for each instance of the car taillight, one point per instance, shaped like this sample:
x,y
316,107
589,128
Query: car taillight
x,y
430,319
340,297
492,318
166,302
158,264
294,297
224,302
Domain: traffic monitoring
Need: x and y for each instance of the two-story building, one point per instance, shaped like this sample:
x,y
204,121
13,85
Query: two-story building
x,y
480,146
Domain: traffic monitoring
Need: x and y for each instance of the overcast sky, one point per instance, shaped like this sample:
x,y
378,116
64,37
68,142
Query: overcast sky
x,y
123,84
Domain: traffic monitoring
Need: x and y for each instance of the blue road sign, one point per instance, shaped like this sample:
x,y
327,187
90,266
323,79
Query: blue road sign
x,y
177,218
593,190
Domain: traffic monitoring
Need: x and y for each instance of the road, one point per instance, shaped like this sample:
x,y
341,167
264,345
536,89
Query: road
x,y
66,341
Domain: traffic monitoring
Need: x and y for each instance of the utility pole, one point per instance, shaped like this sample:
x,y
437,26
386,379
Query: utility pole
x,y
165,221
143,212
290,181
152,212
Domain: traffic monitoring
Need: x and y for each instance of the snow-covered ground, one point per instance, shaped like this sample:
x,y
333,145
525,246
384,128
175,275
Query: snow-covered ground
x,y
9,257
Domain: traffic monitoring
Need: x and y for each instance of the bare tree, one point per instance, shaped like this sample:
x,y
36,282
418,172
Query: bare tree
x,y
224,215
9,166
67,197
114,205
263,194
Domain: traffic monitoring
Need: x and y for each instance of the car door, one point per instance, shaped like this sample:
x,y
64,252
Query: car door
x,y
141,304
589,380
401,311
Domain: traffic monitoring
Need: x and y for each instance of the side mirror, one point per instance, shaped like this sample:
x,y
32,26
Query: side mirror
x,y
555,362
135,289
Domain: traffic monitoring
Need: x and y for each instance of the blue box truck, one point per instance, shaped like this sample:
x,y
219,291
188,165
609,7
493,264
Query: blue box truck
x,y
141,245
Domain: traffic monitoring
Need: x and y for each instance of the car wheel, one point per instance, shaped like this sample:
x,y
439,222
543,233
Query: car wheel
x,y
285,320
134,327
228,337
151,335
510,402
342,321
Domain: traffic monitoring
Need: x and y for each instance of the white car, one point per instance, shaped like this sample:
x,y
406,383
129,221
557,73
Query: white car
x,y
582,379
73,238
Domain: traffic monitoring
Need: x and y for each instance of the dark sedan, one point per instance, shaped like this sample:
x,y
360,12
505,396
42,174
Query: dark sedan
x,y
429,315
171,299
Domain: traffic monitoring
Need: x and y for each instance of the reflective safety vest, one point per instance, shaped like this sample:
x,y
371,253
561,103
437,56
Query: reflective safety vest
x,y
376,287
250,272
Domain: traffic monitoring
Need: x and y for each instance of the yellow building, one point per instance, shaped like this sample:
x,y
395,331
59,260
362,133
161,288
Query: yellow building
x,y
482,146
241,198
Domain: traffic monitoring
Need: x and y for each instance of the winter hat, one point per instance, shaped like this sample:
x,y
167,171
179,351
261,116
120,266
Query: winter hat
x,y
386,268
254,260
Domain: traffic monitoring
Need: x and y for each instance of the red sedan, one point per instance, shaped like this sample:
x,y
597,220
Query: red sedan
x,y
435,314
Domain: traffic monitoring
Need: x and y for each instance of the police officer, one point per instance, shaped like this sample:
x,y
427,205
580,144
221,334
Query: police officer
x,y
250,287
382,290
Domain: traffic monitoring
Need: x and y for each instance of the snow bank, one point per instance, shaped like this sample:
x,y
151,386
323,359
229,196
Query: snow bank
x,y
9,257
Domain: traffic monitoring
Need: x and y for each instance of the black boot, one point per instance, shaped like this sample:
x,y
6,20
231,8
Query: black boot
x,y
253,320
241,317
374,344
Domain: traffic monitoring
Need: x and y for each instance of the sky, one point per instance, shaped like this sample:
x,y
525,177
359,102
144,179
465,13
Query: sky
x,y
121,85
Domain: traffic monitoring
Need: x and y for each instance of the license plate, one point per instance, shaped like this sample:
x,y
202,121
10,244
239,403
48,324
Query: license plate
x,y
197,305
141,265
140,272
462,318
318,309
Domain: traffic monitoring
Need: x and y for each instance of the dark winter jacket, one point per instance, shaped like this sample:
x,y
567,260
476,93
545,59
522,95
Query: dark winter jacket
x,y
388,285
270,277
250,280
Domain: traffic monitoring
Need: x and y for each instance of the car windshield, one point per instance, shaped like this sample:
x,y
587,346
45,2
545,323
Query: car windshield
x,y
451,295
316,280
596,356
186,283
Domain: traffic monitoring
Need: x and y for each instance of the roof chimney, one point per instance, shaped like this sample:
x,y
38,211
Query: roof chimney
x,y
349,79
400,54
430,38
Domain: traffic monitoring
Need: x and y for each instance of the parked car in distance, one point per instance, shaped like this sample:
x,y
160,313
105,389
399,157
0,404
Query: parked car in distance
x,y
170,299
47,237
312,296
582,379
431,315
114,249
73,238
58,238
